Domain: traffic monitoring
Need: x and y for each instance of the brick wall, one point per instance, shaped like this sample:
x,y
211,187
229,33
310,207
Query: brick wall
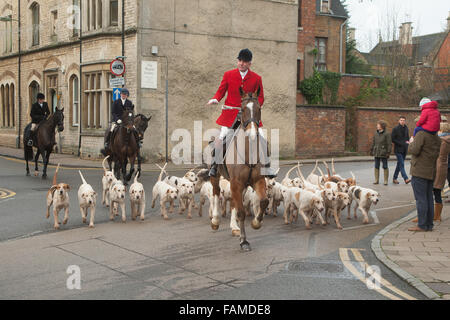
x,y
350,85
320,130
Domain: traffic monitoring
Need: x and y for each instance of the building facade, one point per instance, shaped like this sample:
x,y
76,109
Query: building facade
x,y
321,38
187,45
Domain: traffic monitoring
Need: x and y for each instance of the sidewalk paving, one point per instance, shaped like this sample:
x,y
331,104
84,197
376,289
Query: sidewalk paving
x,y
72,161
420,258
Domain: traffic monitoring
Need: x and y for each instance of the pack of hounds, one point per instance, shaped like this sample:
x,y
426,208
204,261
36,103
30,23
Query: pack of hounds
x,y
316,199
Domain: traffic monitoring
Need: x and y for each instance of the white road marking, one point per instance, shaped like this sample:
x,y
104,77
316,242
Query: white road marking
x,y
1,201
396,207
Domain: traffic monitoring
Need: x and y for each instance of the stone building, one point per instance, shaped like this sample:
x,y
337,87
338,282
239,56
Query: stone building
x,y
189,43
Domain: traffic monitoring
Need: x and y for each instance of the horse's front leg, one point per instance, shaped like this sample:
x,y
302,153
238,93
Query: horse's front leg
x,y
260,189
46,160
124,173
117,169
139,161
36,159
131,169
236,195
215,221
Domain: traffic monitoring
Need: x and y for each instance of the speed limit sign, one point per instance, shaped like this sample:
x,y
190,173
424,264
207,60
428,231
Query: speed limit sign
x,y
117,67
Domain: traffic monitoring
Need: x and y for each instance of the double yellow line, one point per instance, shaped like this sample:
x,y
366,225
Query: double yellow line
x,y
359,260
5,193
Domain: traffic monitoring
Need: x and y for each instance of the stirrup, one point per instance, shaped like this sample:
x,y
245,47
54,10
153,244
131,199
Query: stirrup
x,y
30,143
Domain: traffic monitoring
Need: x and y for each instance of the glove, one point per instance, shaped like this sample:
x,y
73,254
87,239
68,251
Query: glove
x,y
213,101
119,121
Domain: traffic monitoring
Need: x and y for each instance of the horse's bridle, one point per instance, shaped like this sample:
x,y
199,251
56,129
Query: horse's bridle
x,y
252,119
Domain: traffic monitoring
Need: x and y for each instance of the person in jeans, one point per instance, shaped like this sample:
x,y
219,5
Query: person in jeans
x,y
424,148
381,150
400,138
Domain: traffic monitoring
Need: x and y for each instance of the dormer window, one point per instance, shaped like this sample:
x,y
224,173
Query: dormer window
x,y
325,6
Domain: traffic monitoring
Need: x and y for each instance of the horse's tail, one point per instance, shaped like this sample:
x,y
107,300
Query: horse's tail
x,y
162,170
56,174
103,164
28,153
82,178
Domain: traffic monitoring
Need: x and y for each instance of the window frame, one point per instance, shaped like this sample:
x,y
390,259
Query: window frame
x,y
321,66
35,15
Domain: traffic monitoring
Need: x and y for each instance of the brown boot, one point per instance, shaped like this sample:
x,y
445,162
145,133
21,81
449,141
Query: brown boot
x,y
415,220
437,211
386,177
377,176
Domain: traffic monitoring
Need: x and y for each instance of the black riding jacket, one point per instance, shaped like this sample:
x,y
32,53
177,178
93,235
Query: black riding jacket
x,y
118,108
39,113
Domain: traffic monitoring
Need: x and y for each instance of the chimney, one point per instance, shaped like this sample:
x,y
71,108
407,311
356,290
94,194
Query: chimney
x,y
405,36
448,22
351,34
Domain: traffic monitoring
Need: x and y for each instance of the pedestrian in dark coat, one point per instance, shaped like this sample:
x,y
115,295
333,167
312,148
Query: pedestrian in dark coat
x,y
381,150
400,138
424,149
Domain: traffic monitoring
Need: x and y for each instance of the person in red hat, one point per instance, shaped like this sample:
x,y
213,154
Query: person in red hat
x,y
233,80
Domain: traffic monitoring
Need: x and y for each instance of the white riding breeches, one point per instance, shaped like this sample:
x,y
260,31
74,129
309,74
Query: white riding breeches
x,y
224,131
33,126
113,126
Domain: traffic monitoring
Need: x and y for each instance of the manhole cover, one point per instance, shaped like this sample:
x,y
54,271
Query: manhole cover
x,y
319,269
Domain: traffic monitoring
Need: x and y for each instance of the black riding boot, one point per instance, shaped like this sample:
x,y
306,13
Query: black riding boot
x,y
267,171
107,138
217,150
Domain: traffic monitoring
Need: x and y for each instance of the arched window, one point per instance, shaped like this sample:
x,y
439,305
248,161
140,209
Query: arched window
x,y
7,111
35,23
12,106
3,105
74,93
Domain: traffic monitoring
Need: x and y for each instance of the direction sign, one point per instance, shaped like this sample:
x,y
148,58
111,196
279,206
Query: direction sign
x,y
117,67
116,82
116,93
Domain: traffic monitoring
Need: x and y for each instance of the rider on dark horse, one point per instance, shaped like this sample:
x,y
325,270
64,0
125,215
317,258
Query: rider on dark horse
x,y
118,108
39,112
232,81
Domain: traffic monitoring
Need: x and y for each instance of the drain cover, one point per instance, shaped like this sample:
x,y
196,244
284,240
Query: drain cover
x,y
319,269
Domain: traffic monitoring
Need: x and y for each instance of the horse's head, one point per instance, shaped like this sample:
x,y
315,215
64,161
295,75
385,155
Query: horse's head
x,y
141,124
128,119
59,119
251,112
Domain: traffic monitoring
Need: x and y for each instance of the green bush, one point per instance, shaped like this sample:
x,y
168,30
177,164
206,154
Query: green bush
x,y
312,88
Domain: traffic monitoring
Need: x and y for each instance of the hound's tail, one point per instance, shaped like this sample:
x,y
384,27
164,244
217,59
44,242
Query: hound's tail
x,y
103,164
82,178
300,174
56,174
328,168
162,170
315,168
138,174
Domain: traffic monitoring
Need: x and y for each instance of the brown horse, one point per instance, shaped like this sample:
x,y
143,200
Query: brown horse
x,y
124,147
243,167
141,124
44,141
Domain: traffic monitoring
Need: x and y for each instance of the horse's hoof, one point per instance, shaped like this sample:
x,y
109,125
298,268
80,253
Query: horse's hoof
x,y
91,225
44,177
235,233
214,226
28,174
256,225
245,246
36,173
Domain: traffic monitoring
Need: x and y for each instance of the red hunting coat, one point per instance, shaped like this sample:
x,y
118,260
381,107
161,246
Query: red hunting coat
x,y
231,82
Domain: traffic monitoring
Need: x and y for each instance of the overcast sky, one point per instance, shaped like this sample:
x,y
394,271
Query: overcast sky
x,y
369,17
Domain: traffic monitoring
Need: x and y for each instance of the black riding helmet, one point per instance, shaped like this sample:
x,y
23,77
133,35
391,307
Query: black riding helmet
x,y
40,96
245,55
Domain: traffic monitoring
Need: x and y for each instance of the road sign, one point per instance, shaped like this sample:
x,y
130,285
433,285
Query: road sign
x,y
116,82
117,67
116,93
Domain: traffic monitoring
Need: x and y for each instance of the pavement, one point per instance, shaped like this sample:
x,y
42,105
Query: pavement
x,y
124,256
420,258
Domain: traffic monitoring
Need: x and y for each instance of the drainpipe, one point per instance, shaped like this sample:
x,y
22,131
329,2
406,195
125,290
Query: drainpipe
x,y
80,88
340,45
19,88
123,28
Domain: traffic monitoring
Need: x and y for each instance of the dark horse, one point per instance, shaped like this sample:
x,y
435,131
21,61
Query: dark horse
x,y
141,124
44,141
242,165
124,146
